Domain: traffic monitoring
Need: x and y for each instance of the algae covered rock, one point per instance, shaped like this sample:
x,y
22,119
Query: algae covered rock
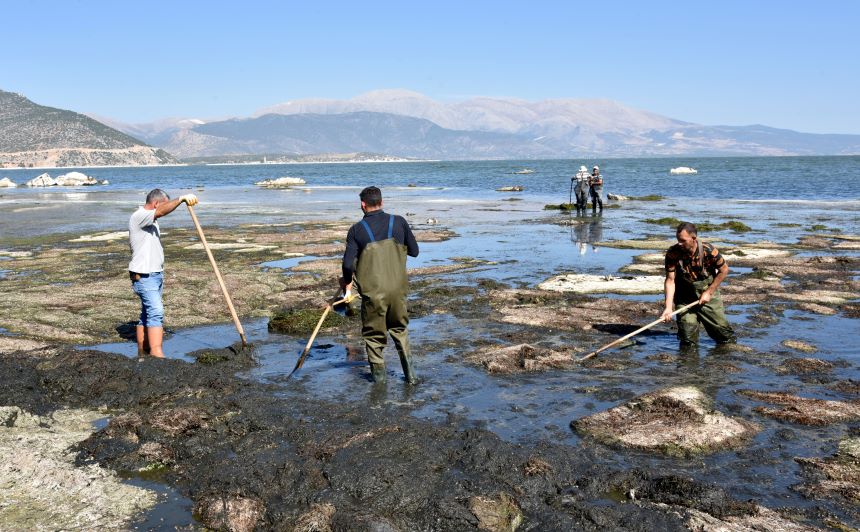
x,y
800,345
675,421
302,321
835,476
519,358
559,207
804,410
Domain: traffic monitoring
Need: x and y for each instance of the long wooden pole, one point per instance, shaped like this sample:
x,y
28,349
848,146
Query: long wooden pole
x,y
307,349
218,275
637,331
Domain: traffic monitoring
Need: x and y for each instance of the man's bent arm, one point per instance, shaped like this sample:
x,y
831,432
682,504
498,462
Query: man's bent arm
x,y
669,289
167,207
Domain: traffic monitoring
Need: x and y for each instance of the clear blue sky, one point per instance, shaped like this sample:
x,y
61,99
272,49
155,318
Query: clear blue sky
x,y
784,64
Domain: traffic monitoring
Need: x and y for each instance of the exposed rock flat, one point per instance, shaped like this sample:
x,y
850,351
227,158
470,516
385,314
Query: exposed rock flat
x,y
675,421
38,473
604,284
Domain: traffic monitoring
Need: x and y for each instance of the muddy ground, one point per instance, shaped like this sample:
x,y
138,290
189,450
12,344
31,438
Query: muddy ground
x,y
249,454
222,439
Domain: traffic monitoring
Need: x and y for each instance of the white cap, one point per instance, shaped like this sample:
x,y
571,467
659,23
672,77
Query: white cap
x,y
583,169
596,167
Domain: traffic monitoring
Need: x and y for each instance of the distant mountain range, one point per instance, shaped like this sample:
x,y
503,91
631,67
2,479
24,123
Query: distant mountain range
x,y
395,123
35,135
409,124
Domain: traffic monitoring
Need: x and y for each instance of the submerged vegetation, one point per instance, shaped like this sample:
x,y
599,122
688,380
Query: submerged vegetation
x,y
730,225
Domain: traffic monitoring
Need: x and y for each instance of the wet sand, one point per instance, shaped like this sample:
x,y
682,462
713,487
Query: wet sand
x,y
488,428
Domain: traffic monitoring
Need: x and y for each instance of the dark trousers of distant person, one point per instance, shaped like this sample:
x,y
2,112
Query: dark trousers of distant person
x,y
596,201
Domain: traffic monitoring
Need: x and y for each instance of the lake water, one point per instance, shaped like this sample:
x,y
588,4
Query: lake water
x,y
749,178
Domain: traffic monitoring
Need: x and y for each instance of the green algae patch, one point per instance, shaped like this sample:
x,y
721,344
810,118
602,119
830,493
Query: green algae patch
x,y
212,357
302,321
559,207
649,197
705,227
672,222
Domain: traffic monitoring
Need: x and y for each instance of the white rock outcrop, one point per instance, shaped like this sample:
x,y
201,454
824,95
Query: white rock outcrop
x,y
281,182
42,180
617,197
75,179
683,170
7,183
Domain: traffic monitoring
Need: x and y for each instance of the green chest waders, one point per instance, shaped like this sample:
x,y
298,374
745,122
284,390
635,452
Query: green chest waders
x,y
380,276
711,315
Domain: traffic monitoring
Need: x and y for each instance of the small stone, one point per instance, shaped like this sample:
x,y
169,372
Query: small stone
x,y
800,345
231,512
501,514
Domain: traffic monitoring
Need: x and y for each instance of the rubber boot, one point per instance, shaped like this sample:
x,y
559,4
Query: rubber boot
x,y
408,371
378,373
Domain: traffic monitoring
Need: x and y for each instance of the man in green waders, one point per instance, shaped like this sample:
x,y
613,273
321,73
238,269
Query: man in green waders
x,y
694,271
375,261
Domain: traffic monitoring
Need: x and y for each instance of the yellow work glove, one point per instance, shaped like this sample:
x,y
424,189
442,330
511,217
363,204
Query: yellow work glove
x,y
190,199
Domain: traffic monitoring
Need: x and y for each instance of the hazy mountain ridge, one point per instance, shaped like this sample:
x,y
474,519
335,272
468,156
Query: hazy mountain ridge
x,y
350,132
37,135
476,128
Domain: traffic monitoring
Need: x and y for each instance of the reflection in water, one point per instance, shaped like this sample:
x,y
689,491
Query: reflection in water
x,y
587,230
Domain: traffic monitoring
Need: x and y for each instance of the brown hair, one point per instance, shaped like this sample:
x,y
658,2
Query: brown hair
x,y
686,226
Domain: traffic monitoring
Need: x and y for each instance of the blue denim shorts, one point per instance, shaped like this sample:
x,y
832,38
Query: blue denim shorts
x,y
149,288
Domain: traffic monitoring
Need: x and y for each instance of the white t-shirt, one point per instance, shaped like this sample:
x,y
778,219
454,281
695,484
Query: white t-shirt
x,y
582,177
144,237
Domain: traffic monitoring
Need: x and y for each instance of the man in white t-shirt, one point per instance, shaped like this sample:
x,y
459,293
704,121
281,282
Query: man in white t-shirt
x,y
146,268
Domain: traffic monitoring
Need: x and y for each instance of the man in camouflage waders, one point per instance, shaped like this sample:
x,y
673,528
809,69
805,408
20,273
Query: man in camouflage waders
x,y
375,261
694,271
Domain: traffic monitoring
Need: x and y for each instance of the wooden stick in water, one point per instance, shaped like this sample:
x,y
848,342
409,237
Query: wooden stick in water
x,y
307,349
637,331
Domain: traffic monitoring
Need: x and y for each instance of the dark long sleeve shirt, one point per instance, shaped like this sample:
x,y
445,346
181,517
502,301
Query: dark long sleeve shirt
x,y
357,238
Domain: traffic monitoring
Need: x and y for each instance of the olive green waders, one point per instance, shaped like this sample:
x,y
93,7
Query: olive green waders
x,y
711,315
380,276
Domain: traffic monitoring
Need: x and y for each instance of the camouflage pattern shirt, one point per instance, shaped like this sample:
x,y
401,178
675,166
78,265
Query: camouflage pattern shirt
x,y
697,266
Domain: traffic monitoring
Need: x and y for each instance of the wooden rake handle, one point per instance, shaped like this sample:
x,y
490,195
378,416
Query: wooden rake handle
x,y
218,276
307,348
637,331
